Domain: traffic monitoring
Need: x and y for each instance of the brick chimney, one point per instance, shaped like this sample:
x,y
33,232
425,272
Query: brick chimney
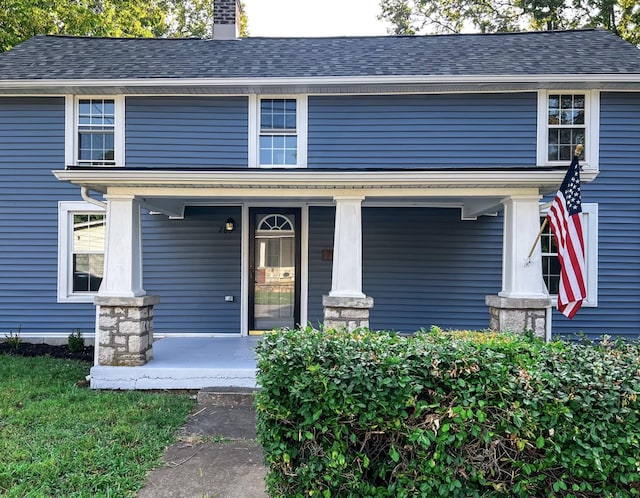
x,y
226,19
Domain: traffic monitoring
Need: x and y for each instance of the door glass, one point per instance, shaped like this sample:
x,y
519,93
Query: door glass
x,y
274,264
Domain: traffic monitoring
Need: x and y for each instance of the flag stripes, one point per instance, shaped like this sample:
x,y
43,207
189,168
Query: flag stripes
x,y
565,219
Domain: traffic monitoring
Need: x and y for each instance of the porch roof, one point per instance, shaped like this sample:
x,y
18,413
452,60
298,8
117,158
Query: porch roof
x,y
476,191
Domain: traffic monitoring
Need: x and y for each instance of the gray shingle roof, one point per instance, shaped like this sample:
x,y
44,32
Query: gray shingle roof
x,y
546,52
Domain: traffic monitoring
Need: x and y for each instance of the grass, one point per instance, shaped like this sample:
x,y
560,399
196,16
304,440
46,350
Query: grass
x,y
57,439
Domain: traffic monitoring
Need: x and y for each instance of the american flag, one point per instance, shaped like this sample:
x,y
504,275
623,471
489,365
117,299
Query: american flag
x,y
565,218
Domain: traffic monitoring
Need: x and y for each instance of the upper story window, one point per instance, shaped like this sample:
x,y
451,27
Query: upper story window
x,y
96,137
278,129
95,131
567,119
81,242
278,135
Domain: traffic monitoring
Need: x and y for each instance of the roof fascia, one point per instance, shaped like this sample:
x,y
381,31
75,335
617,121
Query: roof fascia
x,y
337,80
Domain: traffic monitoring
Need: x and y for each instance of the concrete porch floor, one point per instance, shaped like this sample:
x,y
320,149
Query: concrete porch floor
x,y
186,363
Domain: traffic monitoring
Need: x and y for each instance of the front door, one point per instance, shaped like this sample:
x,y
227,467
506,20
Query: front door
x,y
274,269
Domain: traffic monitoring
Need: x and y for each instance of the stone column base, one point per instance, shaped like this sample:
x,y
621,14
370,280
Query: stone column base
x,y
347,313
125,330
517,315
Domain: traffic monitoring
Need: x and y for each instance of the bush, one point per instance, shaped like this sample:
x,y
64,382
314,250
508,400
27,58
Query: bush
x,y
75,341
454,415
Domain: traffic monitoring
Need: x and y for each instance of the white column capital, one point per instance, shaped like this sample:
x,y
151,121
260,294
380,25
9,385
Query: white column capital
x,y
119,197
348,198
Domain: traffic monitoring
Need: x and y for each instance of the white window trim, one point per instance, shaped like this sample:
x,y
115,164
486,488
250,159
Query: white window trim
x,y
71,129
592,129
590,226
254,130
66,209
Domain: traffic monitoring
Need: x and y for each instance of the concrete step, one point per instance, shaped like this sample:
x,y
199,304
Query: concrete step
x,y
227,396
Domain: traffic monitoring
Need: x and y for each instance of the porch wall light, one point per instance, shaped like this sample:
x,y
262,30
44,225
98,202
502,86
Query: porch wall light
x,y
229,225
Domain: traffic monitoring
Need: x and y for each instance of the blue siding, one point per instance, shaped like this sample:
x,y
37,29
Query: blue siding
x,y
194,132
321,228
425,266
31,145
192,267
617,192
422,131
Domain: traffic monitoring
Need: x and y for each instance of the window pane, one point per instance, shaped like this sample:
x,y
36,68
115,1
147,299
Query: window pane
x,y
566,101
290,157
265,156
554,101
565,153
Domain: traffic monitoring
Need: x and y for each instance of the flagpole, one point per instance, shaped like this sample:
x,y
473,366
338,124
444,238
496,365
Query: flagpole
x,y
577,152
535,243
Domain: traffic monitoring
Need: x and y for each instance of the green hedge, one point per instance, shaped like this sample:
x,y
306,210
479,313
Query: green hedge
x,y
456,415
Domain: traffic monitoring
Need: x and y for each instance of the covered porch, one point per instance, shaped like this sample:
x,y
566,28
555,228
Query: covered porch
x,y
129,358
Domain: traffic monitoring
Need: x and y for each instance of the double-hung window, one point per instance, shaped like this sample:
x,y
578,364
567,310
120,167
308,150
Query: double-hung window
x,y
95,131
551,264
280,132
81,242
567,119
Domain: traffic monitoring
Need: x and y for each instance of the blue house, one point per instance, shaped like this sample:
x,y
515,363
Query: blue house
x,y
203,191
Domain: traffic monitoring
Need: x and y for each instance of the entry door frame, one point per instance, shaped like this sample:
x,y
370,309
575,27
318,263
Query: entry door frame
x,y
299,241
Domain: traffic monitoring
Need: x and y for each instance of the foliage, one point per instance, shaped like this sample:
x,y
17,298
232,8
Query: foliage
x,y
407,17
75,341
456,415
13,339
60,440
22,19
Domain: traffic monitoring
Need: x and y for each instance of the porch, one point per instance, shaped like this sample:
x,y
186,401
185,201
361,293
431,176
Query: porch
x,y
186,363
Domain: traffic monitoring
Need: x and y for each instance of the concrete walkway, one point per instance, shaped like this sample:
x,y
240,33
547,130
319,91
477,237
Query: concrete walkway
x,y
216,454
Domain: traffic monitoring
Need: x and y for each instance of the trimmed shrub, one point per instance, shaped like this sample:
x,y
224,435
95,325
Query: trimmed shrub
x,y
447,414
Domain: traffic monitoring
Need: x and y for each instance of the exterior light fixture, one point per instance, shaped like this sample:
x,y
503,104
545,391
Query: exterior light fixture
x,y
229,225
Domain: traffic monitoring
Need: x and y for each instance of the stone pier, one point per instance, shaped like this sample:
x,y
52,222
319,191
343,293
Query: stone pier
x,y
347,313
518,314
125,330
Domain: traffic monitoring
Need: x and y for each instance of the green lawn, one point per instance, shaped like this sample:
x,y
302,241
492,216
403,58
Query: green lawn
x,y
57,439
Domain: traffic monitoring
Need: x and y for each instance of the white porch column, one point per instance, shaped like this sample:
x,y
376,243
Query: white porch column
x,y
523,301
346,280
125,317
521,277
123,249
346,307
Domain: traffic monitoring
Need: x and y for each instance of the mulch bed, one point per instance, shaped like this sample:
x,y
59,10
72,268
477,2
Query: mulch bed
x,y
28,349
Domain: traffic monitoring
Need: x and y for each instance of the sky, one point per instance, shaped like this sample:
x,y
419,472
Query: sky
x,y
314,18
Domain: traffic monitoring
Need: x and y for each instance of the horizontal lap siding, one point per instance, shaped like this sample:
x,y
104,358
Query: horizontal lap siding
x,y
192,266
187,132
425,266
31,145
422,266
617,192
422,131
321,227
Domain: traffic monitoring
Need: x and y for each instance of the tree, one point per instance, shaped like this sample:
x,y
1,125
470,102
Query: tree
x,y
22,19
407,17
